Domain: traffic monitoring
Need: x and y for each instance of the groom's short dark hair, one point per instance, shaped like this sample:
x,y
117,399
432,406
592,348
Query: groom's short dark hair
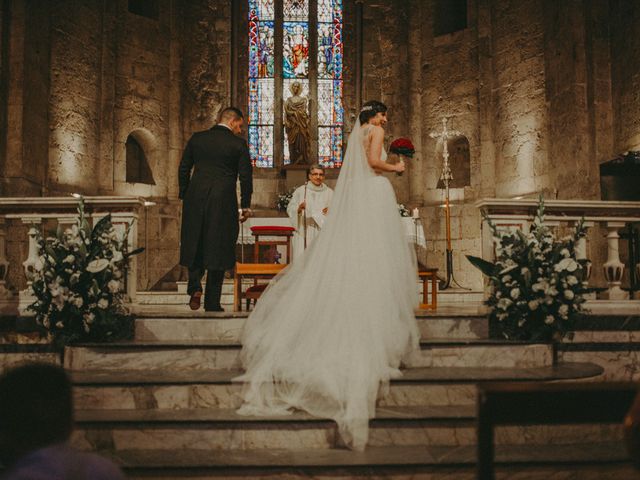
x,y
231,113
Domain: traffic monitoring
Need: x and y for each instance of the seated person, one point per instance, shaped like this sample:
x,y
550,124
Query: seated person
x,y
308,206
36,420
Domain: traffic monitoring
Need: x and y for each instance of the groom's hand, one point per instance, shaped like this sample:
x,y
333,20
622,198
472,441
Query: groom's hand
x,y
245,213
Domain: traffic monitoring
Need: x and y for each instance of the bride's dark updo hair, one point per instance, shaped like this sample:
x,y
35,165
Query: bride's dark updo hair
x,y
370,109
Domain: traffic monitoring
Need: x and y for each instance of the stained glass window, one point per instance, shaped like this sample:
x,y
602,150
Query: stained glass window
x,y
330,109
261,81
322,81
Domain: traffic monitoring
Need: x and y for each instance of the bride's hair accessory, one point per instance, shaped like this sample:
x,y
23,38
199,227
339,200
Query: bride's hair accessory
x,y
366,108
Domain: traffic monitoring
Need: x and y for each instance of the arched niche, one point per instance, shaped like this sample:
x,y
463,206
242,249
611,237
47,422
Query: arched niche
x,y
459,162
137,168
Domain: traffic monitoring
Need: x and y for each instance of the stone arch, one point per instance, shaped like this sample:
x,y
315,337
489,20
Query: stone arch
x,y
139,147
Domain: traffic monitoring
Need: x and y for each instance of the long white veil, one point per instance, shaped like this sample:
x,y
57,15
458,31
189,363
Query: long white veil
x,y
336,323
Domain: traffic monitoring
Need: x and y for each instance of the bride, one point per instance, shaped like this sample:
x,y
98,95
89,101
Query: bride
x,y
331,330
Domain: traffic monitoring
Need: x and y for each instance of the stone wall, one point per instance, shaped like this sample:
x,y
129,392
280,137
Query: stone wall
x,y
74,106
24,100
625,74
520,113
385,77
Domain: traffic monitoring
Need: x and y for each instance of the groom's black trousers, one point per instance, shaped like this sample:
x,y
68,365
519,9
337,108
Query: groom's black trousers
x,y
213,289
215,278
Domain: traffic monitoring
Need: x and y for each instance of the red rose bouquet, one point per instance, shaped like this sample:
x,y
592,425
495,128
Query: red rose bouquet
x,y
402,146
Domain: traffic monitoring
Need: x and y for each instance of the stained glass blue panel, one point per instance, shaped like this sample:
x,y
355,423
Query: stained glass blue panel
x,y
295,50
261,83
330,109
330,146
261,145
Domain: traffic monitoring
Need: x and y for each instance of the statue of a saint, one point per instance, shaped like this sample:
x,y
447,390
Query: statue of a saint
x,y
296,123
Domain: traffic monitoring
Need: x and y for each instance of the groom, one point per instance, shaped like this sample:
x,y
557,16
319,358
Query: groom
x,y
210,215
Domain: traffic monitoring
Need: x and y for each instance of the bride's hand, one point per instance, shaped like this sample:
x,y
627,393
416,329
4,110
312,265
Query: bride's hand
x,y
400,166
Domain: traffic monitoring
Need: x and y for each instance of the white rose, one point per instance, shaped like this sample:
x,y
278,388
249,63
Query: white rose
x,y
78,302
563,311
113,286
98,265
69,259
568,264
515,293
572,280
533,304
504,303
103,303
565,253
568,294
549,319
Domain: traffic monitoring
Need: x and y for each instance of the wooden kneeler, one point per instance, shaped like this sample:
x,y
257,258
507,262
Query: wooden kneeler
x,y
429,274
256,271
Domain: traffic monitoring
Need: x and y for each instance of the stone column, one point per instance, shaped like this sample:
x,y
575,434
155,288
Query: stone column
x,y
613,267
33,263
416,180
581,255
4,263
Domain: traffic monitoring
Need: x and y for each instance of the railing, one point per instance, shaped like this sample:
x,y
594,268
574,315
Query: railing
x,y
610,215
33,211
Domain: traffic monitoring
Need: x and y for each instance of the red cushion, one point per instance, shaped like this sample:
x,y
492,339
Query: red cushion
x,y
279,228
257,288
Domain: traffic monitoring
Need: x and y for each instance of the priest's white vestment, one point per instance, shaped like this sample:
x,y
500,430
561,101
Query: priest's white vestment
x,y
317,199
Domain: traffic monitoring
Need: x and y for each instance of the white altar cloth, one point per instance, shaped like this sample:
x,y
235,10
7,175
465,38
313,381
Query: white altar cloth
x,y
245,237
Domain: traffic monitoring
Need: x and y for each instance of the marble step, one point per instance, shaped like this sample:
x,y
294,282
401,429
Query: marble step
x,y
201,389
229,328
216,429
193,354
595,461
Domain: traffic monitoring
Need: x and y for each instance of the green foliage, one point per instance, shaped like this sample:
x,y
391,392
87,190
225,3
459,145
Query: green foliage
x,y
536,281
79,282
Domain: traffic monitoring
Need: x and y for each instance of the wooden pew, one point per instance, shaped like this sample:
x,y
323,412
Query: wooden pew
x,y
540,403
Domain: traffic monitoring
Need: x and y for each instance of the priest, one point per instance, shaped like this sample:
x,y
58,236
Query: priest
x,y
308,208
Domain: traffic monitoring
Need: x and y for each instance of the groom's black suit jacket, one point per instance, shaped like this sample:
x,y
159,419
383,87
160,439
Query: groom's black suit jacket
x,y
210,204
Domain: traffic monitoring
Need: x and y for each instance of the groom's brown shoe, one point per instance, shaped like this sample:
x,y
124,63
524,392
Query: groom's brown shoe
x,y
194,301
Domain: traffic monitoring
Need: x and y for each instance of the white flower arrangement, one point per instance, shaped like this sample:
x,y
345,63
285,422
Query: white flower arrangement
x,y
535,283
283,200
404,211
78,284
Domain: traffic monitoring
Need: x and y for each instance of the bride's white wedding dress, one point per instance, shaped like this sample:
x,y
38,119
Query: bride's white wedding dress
x,y
331,330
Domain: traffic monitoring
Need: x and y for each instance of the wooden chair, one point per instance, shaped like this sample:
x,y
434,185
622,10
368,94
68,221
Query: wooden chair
x,y
256,271
535,403
427,275
282,234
